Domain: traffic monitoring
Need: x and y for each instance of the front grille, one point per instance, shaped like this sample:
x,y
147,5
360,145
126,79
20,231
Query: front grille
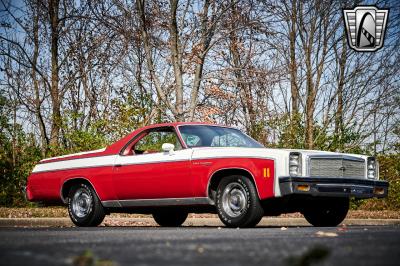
x,y
337,167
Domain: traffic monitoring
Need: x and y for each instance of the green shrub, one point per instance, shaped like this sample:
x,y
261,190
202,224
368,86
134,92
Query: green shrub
x,y
389,168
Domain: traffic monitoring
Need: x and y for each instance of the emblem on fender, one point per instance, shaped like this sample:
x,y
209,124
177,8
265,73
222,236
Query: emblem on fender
x,y
365,27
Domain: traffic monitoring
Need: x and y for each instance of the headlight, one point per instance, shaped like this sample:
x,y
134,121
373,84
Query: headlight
x,y
295,164
372,165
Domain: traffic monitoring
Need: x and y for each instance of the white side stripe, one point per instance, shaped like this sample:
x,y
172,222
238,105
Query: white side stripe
x,y
74,154
76,163
160,157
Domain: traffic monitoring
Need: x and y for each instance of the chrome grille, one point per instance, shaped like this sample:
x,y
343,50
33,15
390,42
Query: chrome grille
x,y
337,167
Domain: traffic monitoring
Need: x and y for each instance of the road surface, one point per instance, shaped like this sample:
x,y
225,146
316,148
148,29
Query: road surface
x,y
353,245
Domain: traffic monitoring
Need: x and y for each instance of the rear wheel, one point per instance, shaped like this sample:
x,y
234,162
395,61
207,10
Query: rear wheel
x,y
237,202
170,217
84,207
327,212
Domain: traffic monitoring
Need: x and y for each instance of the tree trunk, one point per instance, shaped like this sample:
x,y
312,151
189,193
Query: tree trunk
x,y
140,6
244,90
206,35
311,93
176,59
54,90
294,90
293,64
339,111
39,117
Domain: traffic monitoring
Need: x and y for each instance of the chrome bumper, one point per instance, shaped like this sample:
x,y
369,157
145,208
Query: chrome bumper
x,y
333,187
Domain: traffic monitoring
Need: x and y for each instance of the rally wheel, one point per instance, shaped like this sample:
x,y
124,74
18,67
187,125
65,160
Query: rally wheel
x,y
84,207
237,202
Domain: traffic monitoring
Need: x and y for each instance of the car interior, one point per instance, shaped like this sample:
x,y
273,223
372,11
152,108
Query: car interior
x,y
151,141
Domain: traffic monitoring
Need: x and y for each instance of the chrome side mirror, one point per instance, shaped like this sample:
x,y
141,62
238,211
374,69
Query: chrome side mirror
x,y
168,147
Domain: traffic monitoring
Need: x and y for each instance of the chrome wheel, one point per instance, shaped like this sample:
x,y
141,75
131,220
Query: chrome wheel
x,y
82,203
234,199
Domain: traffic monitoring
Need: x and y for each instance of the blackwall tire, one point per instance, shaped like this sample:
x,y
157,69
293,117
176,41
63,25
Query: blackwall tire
x,y
170,217
327,212
84,207
237,202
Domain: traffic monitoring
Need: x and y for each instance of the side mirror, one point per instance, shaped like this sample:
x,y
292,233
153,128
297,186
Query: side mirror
x,y
168,147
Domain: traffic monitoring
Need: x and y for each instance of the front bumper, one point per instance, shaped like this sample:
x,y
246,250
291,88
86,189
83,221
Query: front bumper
x,y
333,187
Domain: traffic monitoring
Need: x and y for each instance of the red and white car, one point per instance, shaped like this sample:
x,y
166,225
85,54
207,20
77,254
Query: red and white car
x,y
169,170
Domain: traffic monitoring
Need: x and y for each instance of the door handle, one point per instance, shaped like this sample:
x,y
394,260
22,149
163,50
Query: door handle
x,y
118,165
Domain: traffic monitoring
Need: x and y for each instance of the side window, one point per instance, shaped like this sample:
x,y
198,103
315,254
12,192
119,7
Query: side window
x,y
191,140
227,140
153,141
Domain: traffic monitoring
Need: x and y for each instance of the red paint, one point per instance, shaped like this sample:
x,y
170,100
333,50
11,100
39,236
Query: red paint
x,y
154,180
202,173
147,181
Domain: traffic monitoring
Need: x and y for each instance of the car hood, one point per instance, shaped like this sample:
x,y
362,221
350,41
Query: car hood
x,y
267,152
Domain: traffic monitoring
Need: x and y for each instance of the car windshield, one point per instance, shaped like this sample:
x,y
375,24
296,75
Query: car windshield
x,y
214,136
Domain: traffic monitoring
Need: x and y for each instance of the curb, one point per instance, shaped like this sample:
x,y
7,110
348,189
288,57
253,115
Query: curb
x,y
206,222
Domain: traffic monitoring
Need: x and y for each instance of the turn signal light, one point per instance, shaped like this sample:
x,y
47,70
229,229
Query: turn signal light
x,y
379,191
304,188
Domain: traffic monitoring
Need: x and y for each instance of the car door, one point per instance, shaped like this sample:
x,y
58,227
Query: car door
x,y
147,172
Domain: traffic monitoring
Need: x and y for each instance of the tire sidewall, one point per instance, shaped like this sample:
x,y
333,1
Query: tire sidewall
x,y
249,193
86,219
170,217
327,212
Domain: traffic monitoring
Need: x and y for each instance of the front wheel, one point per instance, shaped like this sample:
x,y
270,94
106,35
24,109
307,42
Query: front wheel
x,y
170,217
327,212
84,207
237,202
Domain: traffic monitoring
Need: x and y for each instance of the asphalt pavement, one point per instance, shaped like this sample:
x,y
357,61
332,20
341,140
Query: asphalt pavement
x,y
271,245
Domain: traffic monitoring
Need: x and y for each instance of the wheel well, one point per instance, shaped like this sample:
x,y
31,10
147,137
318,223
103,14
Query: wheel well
x,y
69,184
220,174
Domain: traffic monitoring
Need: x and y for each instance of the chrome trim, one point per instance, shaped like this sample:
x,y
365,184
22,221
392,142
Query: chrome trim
x,y
345,157
376,177
348,187
111,204
156,202
341,185
328,156
300,166
82,202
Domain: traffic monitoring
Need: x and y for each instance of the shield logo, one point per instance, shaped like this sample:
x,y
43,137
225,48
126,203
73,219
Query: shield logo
x,y
365,27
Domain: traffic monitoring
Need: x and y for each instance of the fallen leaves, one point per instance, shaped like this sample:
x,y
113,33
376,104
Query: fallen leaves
x,y
200,249
343,228
326,234
58,212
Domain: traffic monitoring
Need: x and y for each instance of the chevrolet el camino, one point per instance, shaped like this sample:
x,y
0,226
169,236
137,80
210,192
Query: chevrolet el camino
x,y
169,170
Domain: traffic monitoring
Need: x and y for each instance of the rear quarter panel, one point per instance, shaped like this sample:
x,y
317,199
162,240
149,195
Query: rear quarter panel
x,y
47,179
